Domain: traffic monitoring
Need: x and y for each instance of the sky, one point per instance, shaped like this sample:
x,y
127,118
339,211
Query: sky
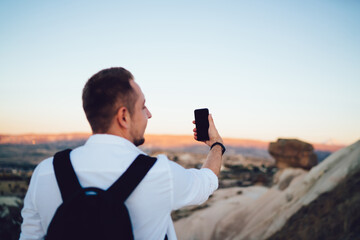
x,y
265,69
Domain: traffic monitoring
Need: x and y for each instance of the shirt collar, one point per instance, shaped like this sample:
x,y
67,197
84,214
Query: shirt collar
x,y
111,139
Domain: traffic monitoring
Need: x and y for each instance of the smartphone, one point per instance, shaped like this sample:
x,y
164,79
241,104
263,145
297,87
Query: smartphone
x,y
202,124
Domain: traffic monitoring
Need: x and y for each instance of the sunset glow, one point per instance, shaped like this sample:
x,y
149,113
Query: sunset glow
x,y
265,69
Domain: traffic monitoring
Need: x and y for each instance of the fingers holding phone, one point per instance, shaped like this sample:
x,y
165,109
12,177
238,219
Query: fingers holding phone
x,y
214,135
195,131
205,130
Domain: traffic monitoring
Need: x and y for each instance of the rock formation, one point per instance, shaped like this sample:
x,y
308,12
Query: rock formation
x,y
323,203
202,223
293,153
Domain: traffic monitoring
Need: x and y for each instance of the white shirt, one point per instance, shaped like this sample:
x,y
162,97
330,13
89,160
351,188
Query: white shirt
x,y
99,163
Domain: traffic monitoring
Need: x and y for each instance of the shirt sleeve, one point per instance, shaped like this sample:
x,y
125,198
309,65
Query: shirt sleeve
x,y
31,227
191,186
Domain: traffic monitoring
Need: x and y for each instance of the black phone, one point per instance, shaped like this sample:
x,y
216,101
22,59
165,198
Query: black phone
x,y
202,123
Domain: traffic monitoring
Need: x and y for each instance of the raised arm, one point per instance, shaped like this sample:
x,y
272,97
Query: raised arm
x,y
214,158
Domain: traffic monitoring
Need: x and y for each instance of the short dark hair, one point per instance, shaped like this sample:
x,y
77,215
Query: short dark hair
x,y
103,95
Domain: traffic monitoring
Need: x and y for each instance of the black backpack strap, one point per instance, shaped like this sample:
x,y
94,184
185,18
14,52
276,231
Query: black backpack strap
x,y
128,181
65,174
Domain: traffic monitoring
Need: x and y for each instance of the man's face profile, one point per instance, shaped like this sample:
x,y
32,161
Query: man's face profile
x,y
139,117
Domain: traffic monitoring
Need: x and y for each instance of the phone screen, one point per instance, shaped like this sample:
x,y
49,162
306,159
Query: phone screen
x,y
202,124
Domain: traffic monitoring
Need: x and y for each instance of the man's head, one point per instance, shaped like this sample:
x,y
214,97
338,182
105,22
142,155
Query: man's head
x,y
114,104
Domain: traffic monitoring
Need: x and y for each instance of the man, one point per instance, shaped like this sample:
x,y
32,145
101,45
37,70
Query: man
x,y
115,108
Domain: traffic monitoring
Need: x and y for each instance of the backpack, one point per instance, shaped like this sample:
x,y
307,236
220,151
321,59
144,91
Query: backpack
x,y
93,213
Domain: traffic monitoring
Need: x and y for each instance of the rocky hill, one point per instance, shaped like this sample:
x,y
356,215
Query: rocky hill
x,y
323,203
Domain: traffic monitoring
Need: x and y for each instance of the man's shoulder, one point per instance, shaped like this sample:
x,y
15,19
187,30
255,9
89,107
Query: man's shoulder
x,y
162,170
162,163
44,167
162,157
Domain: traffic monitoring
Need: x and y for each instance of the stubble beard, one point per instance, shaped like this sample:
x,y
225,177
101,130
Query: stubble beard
x,y
138,139
138,142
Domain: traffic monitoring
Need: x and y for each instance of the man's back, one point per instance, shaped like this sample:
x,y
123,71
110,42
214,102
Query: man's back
x,y
114,105
99,163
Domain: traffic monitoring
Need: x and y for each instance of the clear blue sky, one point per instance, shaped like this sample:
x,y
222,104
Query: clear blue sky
x,y
265,69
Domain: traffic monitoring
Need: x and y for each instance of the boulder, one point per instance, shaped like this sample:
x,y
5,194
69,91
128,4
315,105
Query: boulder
x,y
293,153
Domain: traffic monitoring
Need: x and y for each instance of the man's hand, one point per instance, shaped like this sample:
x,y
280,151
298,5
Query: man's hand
x,y
214,158
214,136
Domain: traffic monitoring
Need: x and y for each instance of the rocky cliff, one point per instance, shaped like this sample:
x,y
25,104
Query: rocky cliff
x,y
323,203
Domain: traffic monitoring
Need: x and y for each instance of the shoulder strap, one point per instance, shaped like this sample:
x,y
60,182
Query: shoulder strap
x,y
126,183
65,174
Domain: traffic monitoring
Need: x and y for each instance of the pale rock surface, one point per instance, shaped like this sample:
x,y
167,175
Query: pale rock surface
x,y
282,212
200,224
252,221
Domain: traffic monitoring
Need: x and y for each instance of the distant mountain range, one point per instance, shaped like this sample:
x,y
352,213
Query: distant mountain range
x,y
41,138
32,148
28,150
152,141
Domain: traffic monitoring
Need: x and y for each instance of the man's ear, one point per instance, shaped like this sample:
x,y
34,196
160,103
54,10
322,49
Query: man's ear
x,y
123,117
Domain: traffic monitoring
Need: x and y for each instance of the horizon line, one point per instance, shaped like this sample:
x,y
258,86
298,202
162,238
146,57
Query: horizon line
x,y
170,134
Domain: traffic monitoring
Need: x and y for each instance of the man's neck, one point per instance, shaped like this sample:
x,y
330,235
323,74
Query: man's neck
x,y
119,132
